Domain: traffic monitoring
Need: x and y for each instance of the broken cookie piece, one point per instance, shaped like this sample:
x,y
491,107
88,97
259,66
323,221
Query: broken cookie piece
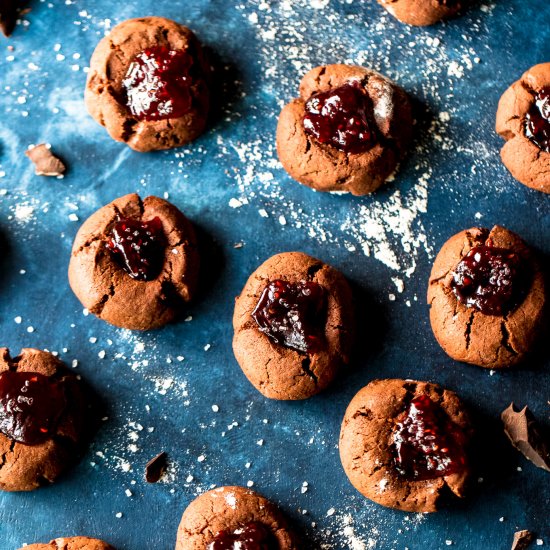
x,y
527,435
522,540
487,297
45,162
8,16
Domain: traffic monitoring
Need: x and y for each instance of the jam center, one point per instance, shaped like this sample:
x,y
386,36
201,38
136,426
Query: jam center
x,y
341,117
292,314
138,246
427,444
537,120
254,536
31,405
158,84
489,279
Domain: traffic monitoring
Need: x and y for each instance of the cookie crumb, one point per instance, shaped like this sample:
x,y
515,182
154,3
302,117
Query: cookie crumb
x,y
45,162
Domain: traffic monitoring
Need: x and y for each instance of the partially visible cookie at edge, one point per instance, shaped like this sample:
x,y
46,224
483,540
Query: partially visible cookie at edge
x,y
149,84
225,512
422,12
464,331
376,115
70,543
523,120
389,412
312,328
150,293
44,434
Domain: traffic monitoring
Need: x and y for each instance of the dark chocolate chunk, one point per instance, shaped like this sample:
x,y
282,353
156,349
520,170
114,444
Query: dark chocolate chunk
x,y
8,16
522,539
527,435
156,467
45,162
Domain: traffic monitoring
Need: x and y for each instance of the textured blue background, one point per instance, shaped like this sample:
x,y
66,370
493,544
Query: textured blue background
x,y
452,180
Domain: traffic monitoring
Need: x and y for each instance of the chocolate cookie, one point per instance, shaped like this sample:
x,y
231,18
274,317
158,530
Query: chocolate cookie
x,y
71,543
293,326
404,444
135,263
422,12
487,297
523,120
224,517
148,84
42,419
346,132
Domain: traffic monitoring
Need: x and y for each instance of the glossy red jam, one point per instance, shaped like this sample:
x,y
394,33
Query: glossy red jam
x,y
341,117
427,444
31,405
158,84
138,246
537,121
489,279
293,314
254,536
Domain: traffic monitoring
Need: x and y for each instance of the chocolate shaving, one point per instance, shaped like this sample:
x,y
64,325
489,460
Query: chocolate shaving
x,y
8,16
527,435
45,162
155,468
522,539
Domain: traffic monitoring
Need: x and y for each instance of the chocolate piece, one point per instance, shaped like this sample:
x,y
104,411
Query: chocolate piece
x,y
155,468
8,16
45,162
527,435
522,539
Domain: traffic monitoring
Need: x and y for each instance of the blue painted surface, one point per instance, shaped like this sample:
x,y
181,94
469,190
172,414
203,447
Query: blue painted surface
x,y
452,180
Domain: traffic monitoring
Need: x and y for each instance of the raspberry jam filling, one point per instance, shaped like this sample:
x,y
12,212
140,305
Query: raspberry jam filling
x,y
537,120
253,536
138,246
341,117
157,84
31,405
427,444
293,314
489,279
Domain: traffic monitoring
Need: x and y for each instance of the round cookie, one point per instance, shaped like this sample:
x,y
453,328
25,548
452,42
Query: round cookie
x,y
71,543
222,511
42,435
384,456
148,84
422,12
153,293
300,350
376,114
491,339
523,120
